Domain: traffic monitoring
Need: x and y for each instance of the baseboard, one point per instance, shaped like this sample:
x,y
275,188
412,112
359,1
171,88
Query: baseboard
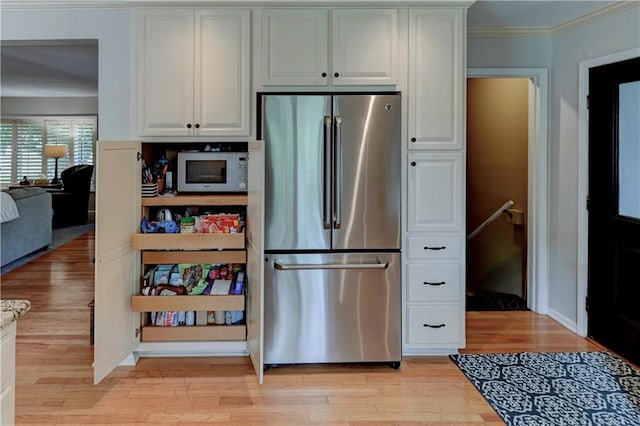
x,y
563,320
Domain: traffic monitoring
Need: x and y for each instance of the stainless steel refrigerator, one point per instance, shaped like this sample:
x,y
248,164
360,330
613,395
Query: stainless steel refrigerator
x,y
332,228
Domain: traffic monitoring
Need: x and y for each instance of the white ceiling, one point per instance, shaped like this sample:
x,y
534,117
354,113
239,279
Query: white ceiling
x,y
51,69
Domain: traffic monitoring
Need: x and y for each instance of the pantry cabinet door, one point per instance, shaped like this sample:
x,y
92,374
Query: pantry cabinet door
x,y
164,84
295,47
117,265
436,79
222,55
364,46
255,255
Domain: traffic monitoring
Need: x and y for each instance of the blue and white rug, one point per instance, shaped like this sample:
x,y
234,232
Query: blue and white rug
x,y
560,388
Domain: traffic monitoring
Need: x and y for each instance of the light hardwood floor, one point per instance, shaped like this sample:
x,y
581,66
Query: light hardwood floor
x,y
55,377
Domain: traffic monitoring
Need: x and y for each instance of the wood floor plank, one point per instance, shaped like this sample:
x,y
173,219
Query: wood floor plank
x,y
54,375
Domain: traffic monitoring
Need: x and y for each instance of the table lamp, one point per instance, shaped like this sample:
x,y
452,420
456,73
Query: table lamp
x,y
55,151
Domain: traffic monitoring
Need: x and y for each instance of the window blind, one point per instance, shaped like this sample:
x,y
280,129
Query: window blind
x,y
22,143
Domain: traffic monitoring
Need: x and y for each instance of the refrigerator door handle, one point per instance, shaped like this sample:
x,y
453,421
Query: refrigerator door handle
x,y
297,266
337,170
326,205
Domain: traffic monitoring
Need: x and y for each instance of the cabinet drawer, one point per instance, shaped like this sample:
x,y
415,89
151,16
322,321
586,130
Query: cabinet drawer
x,y
435,324
435,247
435,282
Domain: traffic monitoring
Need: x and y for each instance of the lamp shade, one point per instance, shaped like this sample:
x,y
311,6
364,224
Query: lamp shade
x,y
55,151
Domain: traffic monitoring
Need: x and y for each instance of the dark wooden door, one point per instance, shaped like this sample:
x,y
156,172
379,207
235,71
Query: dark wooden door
x,y
614,207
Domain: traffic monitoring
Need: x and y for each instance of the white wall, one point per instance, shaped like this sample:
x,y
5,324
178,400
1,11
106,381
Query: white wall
x,y
111,27
561,53
608,35
49,106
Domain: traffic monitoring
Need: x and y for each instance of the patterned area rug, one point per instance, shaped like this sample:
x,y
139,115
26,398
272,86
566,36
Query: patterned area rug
x,y
560,388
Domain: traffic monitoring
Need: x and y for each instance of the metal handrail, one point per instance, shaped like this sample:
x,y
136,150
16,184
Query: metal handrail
x,y
490,219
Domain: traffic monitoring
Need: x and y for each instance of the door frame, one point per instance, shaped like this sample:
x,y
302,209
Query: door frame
x,y
583,179
537,186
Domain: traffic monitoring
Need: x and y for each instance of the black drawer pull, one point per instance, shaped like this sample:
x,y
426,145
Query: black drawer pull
x,y
428,283
435,248
433,326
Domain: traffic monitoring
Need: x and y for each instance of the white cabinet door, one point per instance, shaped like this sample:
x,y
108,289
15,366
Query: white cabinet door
x,y
364,45
164,58
436,78
435,191
255,253
294,47
117,268
221,76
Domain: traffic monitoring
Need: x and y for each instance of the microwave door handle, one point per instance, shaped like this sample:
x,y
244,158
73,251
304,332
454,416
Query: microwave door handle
x,y
337,170
326,202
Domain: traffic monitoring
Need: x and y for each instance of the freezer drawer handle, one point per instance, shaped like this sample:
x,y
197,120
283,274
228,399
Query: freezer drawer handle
x,y
433,326
428,283
435,248
291,267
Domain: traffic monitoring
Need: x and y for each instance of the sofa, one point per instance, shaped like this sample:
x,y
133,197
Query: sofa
x,y
32,230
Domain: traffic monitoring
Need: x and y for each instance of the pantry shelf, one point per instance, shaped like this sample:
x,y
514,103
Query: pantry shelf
x,y
187,303
200,241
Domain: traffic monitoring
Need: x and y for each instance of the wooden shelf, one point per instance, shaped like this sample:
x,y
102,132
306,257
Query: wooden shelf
x,y
187,303
194,333
198,241
191,256
197,200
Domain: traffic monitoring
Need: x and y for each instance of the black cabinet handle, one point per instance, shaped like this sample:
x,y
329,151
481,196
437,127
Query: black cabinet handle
x,y
336,74
324,74
413,139
433,325
197,126
413,163
434,284
435,248
188,125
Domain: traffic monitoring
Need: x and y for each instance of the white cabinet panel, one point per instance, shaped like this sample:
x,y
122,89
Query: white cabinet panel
x,y
435,191
439,326
297,45
364,46
436,78
193,72
7,374
294,47
434,282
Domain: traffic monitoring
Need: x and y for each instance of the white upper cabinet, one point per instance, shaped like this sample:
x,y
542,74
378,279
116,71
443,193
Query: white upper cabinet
x,y
364,46
294,47
297,45
436,79
193,72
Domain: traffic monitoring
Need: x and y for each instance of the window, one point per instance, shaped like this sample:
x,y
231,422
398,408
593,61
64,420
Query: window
x,y
22,142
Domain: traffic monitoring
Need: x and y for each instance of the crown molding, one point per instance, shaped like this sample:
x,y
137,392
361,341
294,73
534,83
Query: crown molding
x,y
547,31
83,4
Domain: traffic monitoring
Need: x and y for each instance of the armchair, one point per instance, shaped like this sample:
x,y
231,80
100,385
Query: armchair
x,y
71,205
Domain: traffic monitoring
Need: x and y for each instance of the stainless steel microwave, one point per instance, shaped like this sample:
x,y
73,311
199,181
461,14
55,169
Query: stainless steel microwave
x,y
212,171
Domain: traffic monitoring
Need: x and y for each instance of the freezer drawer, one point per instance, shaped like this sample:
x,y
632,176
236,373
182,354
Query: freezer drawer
x,y
322,308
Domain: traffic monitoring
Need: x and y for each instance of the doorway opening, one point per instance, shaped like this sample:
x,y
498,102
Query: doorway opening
x,y
497,193
507,246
